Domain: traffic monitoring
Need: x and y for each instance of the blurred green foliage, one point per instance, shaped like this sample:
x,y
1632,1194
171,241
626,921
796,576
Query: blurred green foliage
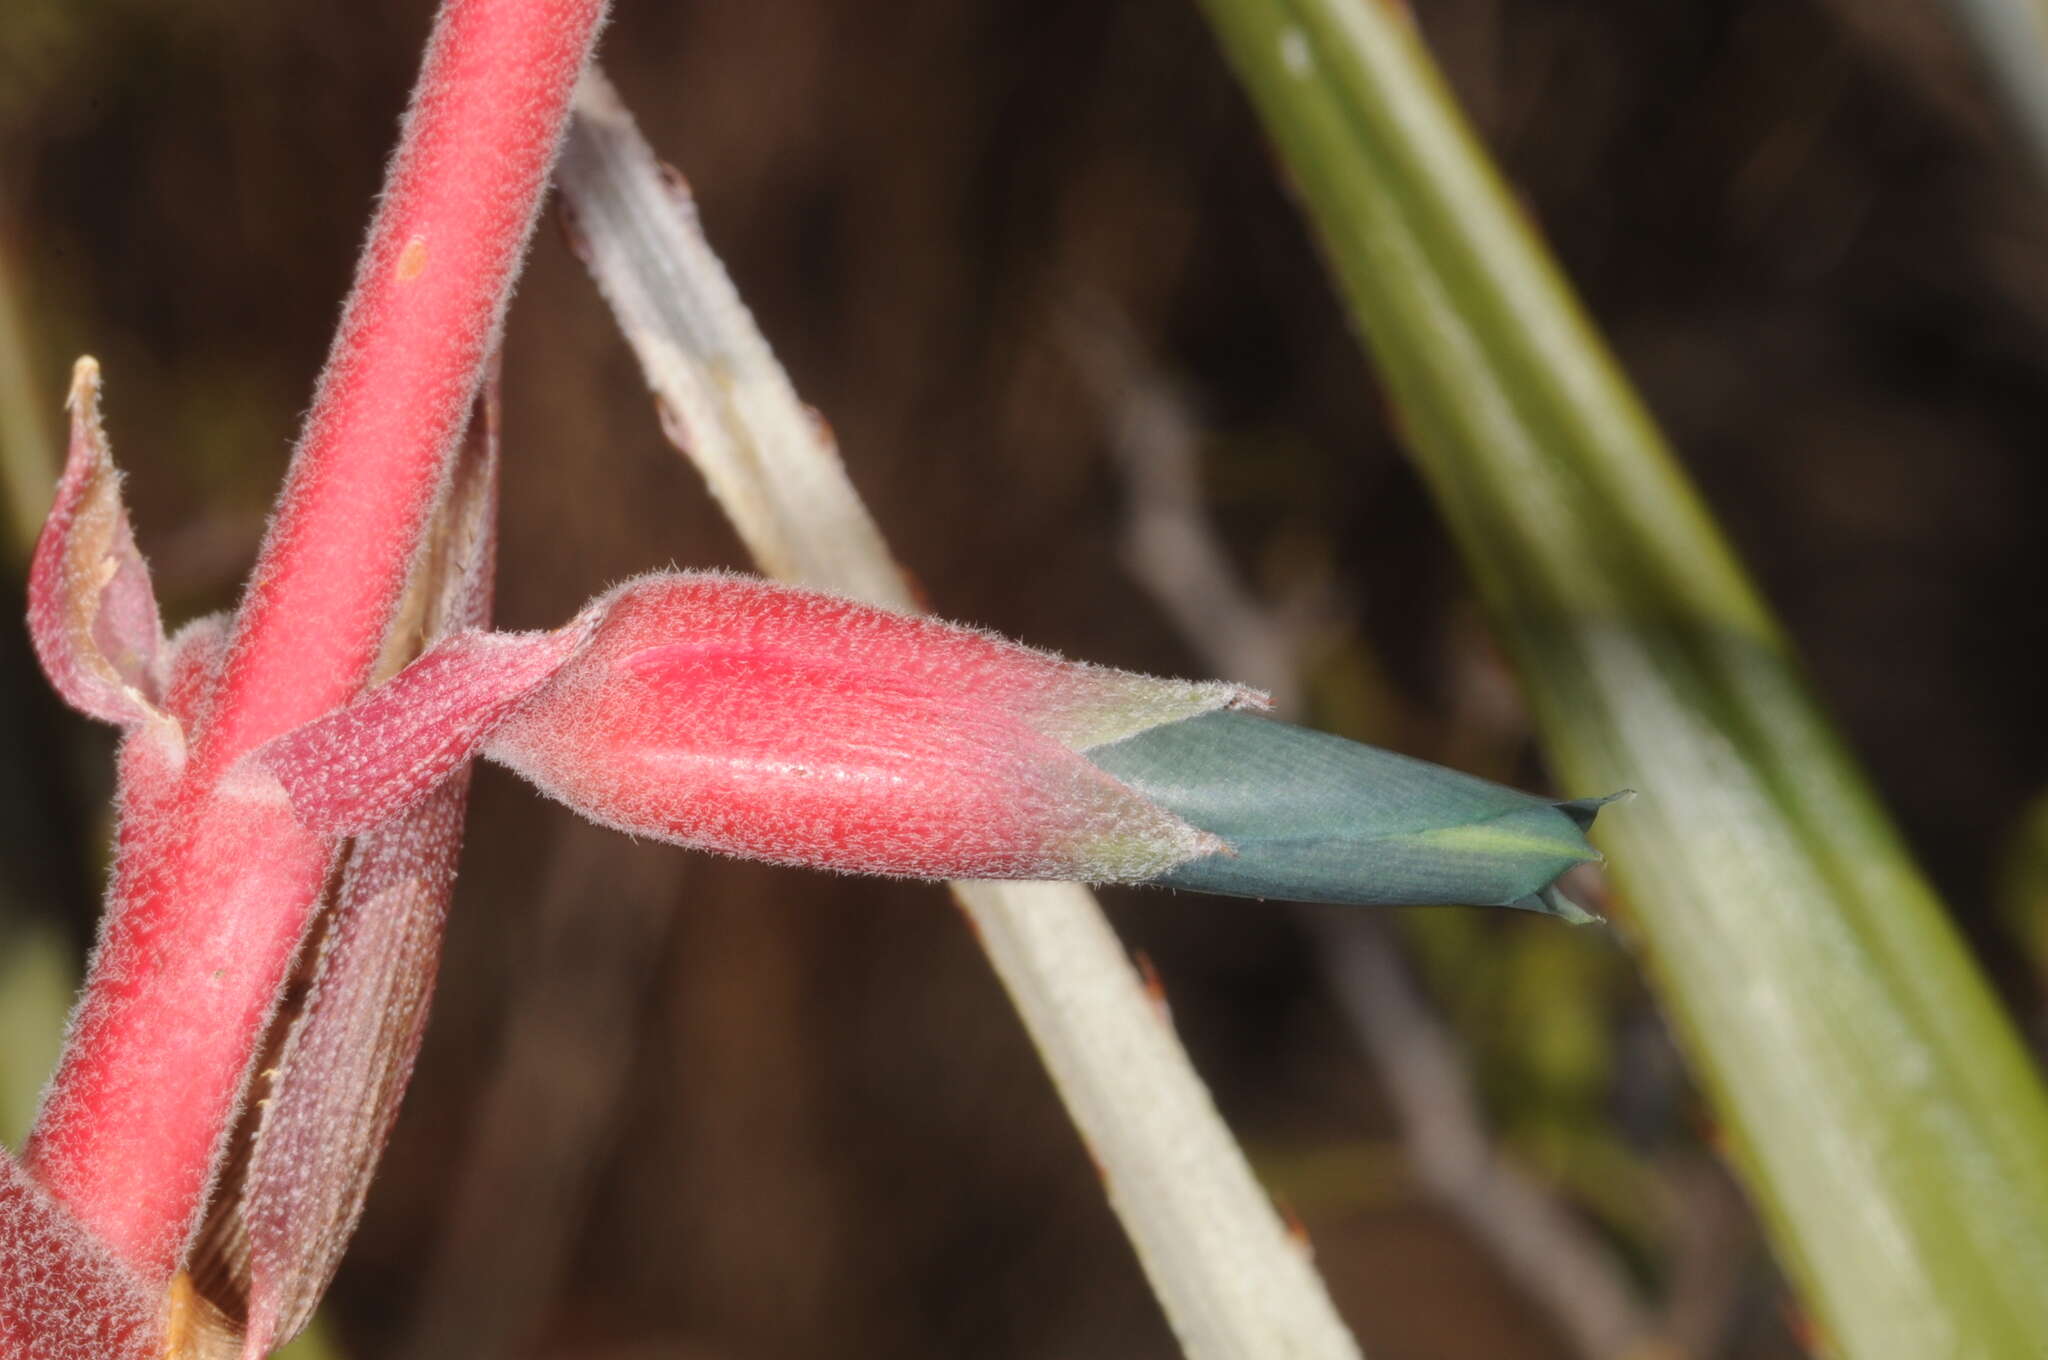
x,y
1826,999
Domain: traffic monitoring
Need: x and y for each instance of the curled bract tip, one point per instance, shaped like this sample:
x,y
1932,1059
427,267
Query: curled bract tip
x,y
92,611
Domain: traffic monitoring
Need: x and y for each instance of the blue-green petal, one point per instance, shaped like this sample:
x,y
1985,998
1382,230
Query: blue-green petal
x,y
1315,818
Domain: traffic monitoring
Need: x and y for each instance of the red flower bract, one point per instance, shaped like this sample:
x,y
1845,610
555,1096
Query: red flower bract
x,y
757,720
779,757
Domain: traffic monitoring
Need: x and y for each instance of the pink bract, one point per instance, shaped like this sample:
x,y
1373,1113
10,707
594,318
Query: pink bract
x,y
733,715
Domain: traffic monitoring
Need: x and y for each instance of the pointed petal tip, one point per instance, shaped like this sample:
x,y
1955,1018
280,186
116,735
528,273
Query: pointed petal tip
x,y
1193,846
1584,810
1313,817
1554,901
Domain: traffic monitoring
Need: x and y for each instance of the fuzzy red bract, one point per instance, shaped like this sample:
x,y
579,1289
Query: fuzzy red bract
x,y
758,720
1074,703
774,755
359,767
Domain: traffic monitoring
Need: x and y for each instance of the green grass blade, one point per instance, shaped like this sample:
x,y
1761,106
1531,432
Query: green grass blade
x,y
1890,1124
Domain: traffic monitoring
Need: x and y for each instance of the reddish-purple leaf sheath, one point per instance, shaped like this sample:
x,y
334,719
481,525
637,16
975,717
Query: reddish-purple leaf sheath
x,y
63,1295
338,1082
346,1065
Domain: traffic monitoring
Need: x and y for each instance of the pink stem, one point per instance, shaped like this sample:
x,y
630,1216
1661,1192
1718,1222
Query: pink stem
x,y
213,890
429,297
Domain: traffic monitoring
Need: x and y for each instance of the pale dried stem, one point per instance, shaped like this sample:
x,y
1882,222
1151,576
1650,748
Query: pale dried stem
x,y
1534,1237
2010,38
723,399
1232,1280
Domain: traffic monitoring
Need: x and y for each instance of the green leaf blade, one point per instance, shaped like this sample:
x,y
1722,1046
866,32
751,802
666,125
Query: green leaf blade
x,y
1875,1095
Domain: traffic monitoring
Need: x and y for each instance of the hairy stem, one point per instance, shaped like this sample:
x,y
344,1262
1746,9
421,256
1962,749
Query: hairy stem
x,y
214,884
430,295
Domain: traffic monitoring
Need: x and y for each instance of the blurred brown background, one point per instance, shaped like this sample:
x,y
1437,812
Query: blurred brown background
x,y
673,1107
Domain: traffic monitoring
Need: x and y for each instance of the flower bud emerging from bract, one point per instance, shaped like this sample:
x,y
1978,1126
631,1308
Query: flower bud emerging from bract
x,y
733,715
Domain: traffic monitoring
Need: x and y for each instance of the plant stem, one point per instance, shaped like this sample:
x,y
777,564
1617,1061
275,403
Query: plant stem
x,y
214,887
1232,1281
1886,1118
431,289
2010,38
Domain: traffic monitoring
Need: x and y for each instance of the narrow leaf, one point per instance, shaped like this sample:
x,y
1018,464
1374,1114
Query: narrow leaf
x,y
1888,1119
1314,818
91,609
